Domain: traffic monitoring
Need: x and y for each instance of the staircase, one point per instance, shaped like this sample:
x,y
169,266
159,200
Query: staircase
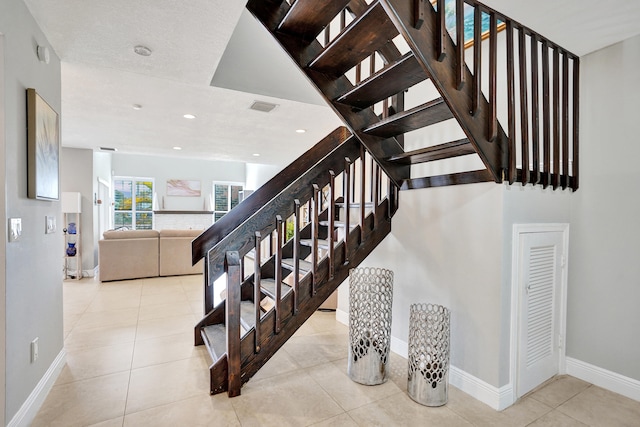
x,y
287,247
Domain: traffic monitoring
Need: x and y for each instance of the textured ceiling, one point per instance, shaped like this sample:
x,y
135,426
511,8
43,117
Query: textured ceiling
x,y
102,78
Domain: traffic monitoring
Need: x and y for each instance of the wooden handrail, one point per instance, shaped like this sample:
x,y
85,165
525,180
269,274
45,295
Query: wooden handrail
x,y
243,211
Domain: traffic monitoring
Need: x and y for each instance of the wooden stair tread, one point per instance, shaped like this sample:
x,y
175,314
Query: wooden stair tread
x,y
470,177
247,315
364,36
305,266
338,224
322,243
354,205
390,80
307,18
215,339
268,286
447,150
421,116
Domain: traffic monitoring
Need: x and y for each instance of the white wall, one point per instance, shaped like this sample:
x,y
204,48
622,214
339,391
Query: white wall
x,y
604,269
445,247
258,175
3,236
33,264
165,168
76,174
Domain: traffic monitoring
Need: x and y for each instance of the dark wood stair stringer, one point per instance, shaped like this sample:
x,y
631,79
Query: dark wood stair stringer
x,y
494,154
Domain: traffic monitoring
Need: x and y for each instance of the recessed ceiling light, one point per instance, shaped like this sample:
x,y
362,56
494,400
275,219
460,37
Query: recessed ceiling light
x,y
256,154
142,50
301,130
177,148
137,107
189,116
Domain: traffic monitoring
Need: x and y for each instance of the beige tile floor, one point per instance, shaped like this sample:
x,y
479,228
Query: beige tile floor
x,y
131,362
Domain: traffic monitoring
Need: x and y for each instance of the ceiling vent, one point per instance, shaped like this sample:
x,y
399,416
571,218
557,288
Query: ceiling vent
x,y
265,107
108,149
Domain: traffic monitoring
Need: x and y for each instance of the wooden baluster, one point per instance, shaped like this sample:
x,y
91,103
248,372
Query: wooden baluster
x,y
385,108
460,44
372,64
493,78
327,35
511,93
546,116
208,289
535,111
347,213
524,107
232,321
442,30
565,120
331,216
376,185
359,72
257,293
576,123
296,255
278,278
317,206
418,13
362,190
343,19
477,59
556,119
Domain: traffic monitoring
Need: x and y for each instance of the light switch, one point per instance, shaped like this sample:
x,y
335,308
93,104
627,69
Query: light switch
x,y
50,224
15,229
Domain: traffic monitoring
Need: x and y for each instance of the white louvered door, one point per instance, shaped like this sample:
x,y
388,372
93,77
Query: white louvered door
x,y
539,288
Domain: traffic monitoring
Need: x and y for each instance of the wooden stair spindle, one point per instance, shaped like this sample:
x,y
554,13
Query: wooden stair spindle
x,y
477,59
493,78
315,211
331,217
460,63
347,200
296,254
535,111
442,31
511,101
363,164
232,266
546,117
278,272
418,6
257,294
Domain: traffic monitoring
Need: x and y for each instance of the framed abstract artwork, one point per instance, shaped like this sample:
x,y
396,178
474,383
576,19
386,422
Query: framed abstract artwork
x,y
43,149
183,188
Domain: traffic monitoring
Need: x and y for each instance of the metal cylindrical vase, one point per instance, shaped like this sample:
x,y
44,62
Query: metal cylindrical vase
x,y
370,299
429,331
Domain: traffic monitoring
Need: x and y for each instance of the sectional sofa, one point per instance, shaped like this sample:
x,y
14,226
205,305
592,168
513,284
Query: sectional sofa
x,y
135,254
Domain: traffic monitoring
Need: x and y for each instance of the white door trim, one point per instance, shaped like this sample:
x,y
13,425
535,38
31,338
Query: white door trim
x,y
518,231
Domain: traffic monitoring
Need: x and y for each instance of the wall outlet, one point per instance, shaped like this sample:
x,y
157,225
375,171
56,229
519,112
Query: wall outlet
x,y
34,350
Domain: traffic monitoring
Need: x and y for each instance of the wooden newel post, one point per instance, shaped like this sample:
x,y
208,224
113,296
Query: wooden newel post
x,y
232,267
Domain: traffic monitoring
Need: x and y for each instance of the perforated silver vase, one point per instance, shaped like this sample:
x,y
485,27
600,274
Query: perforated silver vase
x,y
370,299
428,377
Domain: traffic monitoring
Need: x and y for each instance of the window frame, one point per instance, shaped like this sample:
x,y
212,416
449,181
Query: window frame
x,y
134,211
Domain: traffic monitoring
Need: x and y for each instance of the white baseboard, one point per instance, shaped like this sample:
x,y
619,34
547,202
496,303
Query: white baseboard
x,y
603,378
342,317
29,409
497,398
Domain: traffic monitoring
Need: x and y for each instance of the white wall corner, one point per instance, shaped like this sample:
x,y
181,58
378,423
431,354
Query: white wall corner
x,y
31,406
497,398
603,378
342,317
